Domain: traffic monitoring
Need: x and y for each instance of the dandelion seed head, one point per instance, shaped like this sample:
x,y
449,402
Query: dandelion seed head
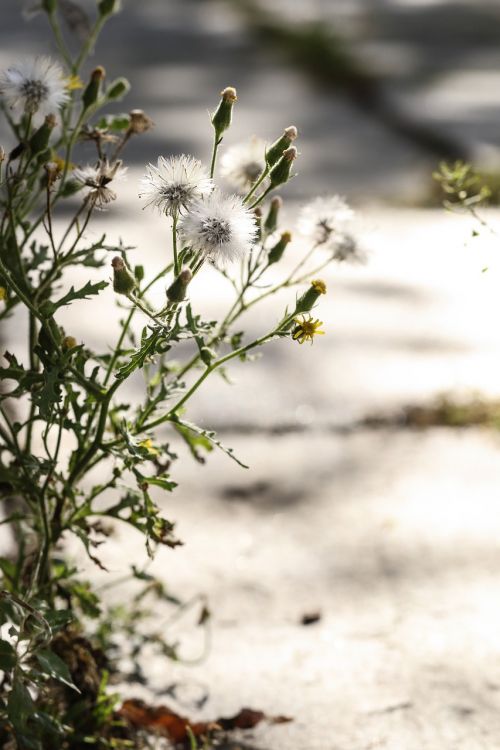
x,y
35,86
220,226
321,219
243,163
174,183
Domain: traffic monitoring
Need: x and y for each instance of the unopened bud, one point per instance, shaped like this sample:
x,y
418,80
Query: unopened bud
x,y
176,292
40,138
93,89
139,122
108,7
69,342
275,151
118,89
3,294
280,173
221,119
123,281
306,302
207,355
271,221
276,252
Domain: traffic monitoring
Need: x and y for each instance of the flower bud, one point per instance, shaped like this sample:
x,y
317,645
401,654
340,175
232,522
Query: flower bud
x,y
69,342
123,281
118,89
306,302
280,173
271,221
93,89
108,7
221,119
3,294
276,252
207,355
40,138
275,151
176,292
139,273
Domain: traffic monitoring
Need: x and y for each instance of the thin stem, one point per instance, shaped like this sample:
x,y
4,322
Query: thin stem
x,y
174,244
256,184
61,46
217,142
261,197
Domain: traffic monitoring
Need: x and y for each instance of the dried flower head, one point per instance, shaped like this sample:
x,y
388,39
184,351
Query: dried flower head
x,y
306,329
220,226
320,219
139,122
243,163
34,86
98,178
175,183
98,135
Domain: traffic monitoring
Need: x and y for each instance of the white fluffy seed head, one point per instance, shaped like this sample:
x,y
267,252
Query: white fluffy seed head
x,y
34,87
220,226
174,183
243,163
321,219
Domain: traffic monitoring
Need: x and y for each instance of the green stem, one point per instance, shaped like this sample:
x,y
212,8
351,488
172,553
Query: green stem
x,y
217,142
256,184
61,46
261,197
174,244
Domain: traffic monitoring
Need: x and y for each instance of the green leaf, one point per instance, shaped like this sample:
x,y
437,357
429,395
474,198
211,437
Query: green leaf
x,y
8,656
165,484
84,293
53,666
114,122
194,441
20,705
184,428
59,618
147,349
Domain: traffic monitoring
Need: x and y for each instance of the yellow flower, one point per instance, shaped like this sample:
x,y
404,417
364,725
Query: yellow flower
x,y
319,286
306,329
73,83
148,445
3,294
59,162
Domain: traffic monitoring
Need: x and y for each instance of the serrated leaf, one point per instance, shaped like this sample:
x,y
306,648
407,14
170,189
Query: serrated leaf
x,y
209,435
55,667
85,292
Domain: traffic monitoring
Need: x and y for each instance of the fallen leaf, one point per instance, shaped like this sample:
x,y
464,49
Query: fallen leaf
x,y
163,720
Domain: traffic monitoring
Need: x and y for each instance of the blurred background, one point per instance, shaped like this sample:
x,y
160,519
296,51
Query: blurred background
x,y
372,499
